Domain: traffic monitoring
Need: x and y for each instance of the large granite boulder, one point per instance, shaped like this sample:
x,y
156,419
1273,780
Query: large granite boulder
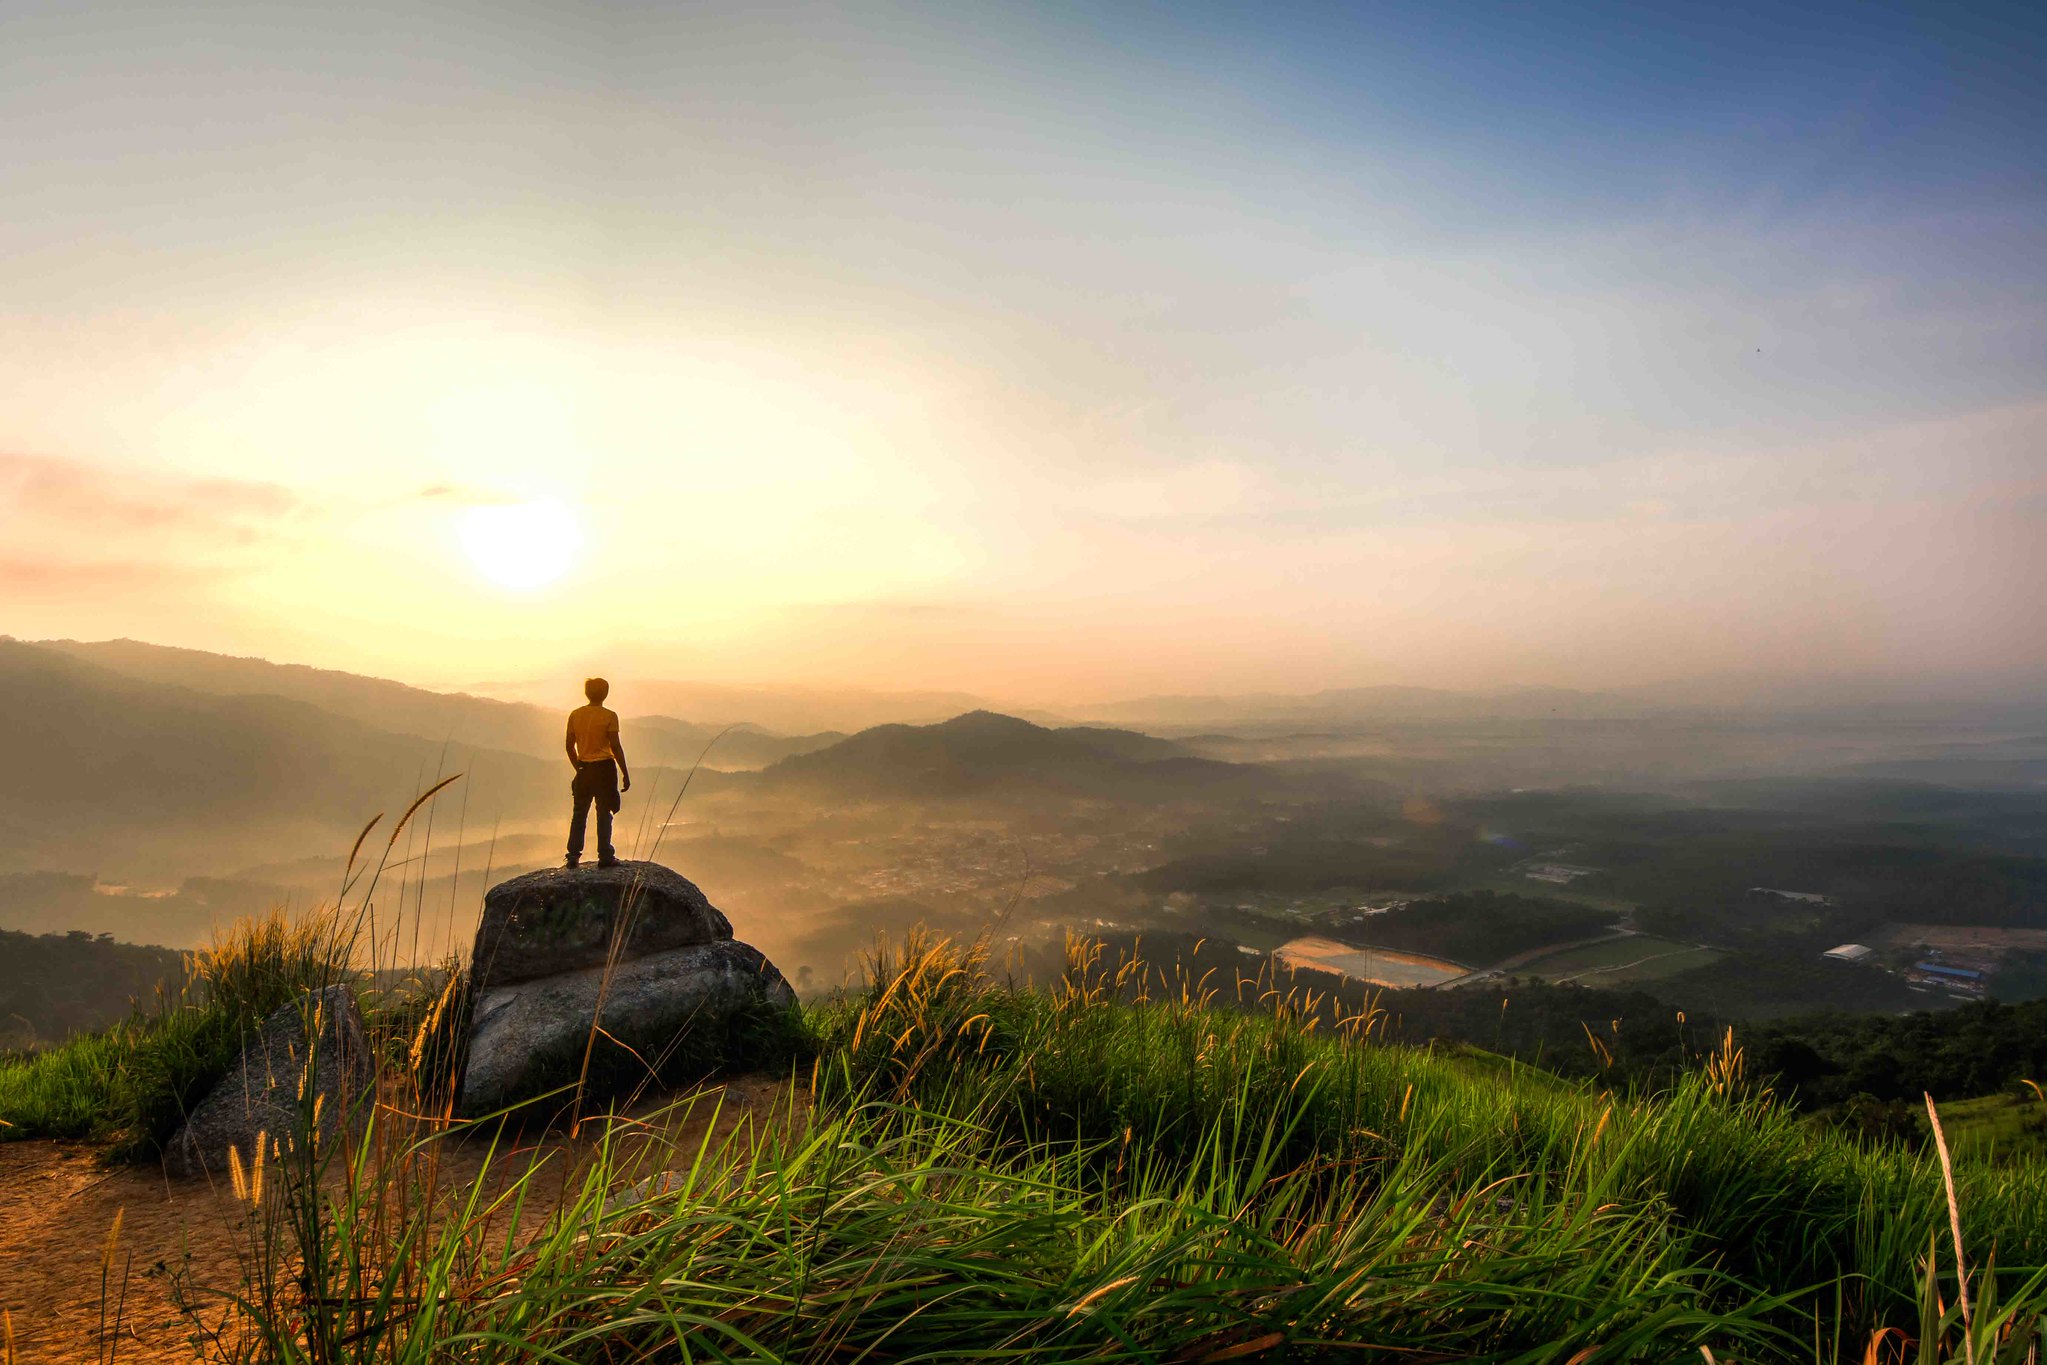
x,y
671,1013
267,1092
566,917
629,968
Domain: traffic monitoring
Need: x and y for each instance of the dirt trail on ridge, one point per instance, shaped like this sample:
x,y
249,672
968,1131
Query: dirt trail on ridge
x,y
57,1205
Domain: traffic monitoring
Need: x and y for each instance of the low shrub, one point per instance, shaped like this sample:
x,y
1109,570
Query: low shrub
x,y
130,1086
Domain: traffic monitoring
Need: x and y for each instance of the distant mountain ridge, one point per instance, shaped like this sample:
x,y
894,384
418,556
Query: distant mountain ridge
x,y
1745,699
399,708
1363,705
680,743
131,772
785,710
377,702
983,751
119,773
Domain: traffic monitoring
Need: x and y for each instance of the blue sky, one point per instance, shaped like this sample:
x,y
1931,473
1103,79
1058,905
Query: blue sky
x,y
1052,351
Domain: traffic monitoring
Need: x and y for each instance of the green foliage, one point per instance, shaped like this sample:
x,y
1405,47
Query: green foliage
x,y
1480,927
1790,979
1971,1050
53,986
132,1085
1749,1185
2010,1127
1643,1040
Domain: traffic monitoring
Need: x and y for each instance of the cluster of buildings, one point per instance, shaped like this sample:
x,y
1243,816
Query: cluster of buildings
x,y
1949,976
1957,978
1557,874
1803,897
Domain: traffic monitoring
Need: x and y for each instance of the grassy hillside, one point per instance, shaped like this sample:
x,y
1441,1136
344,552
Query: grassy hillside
x,y
967,1172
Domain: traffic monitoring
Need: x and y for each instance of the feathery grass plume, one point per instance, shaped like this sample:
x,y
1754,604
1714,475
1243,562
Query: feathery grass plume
x,y
1947,1175
1598,1045
1724,1067
107,1340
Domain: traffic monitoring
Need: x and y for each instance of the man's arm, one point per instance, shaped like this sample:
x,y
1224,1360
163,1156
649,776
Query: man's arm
x,y
569,743
625,778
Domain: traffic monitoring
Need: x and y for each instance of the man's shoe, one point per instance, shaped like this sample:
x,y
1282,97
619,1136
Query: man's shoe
x,y
607,861
572,860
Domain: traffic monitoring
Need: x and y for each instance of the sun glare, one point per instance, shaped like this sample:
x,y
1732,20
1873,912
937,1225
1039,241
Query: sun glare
x,y
521,545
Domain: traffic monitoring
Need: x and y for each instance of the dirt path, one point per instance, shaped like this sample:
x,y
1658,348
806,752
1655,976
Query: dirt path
x,y
1623,966
1521,959
57,1206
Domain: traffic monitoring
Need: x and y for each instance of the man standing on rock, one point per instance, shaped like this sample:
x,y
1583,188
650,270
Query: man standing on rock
x,y
601,772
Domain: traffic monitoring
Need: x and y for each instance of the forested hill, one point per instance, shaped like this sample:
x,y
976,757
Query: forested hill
x,y
981,752
55,985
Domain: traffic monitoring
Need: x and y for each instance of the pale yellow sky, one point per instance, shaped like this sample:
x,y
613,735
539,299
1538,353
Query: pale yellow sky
x,y
998,355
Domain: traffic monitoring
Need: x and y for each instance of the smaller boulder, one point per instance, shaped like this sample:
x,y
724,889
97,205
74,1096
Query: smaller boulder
x,y
564,918
261,1093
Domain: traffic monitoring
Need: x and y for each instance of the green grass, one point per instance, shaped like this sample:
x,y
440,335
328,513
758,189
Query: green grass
x,y
130,1086
1996,1128
966,1172
1622,961
971,1173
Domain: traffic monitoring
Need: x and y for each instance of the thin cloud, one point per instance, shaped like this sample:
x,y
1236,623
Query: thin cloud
x,y
68,579
79,530
51,490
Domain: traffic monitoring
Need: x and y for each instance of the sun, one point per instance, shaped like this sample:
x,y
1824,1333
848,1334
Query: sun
x,y
521,545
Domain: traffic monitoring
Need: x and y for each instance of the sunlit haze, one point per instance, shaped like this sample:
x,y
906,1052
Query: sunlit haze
x,y
1048,352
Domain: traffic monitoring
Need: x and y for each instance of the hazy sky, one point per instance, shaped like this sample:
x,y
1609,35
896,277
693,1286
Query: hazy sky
x,y
1049,351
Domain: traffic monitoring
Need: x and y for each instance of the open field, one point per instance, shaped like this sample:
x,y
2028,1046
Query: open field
x,y
1380,966
1995,1128
1638,957
1956,938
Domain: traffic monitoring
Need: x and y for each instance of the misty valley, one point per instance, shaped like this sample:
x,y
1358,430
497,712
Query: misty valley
x,y
1732,867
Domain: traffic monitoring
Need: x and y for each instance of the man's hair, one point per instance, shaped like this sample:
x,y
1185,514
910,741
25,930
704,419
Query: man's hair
x,y
596,689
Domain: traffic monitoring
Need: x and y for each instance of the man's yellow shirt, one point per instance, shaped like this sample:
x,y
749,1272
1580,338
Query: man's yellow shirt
x,y
592,727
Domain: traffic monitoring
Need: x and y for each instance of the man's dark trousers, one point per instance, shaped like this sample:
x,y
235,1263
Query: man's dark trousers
x,y
596,782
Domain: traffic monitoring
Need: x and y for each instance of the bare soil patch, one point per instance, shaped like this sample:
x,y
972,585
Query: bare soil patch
x,y
1963,937
58,1204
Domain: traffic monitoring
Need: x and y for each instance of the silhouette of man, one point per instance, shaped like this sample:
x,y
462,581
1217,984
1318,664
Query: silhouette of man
x,y
601,772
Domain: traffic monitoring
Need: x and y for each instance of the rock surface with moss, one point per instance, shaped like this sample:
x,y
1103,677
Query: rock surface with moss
x,y
568,917
608,980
